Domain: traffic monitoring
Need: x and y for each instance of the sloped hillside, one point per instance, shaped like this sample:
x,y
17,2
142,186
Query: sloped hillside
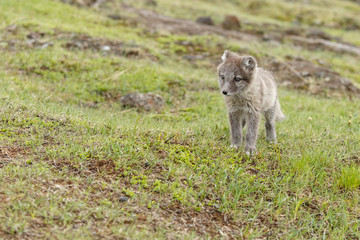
x,y
79,161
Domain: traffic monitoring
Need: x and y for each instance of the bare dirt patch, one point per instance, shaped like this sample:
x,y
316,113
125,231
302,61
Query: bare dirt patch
x,y
15,37
179,220
13,40
9,154
105,46
85,3
206,221
302,74
311,39
318,43
146,101
106,168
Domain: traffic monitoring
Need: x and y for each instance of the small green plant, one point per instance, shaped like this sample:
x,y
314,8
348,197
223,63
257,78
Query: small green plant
x,y
140,180
128,192
349,178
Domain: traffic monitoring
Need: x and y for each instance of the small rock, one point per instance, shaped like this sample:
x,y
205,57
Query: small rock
x,y
151,3
205,20
31,42
294,31
266,37
321,62
185,43
46,44
146,101
132,53
193,57
231,22
274,43
123,199
106,48
12,28
317,33
305,74
35,35
114,16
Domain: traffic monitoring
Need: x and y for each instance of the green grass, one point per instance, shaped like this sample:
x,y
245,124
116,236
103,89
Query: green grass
x,y
69,150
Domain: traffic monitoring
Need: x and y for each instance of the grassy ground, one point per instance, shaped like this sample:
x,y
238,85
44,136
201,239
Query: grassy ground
x,y
69,152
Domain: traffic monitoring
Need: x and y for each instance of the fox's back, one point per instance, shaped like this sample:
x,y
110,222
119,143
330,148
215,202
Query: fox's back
x,y
269,93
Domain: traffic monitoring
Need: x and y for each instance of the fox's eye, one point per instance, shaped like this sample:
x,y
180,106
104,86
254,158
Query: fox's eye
x,y
222,77
238,79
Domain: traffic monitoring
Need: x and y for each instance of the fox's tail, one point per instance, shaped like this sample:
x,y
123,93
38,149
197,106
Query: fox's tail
x,y
279,115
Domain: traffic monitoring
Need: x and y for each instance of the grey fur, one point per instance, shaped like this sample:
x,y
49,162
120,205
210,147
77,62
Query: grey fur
x,y
249,91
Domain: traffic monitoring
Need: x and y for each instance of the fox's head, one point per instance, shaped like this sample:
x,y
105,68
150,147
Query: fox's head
x,y
235,73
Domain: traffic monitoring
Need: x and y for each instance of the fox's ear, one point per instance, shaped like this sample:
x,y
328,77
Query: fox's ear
x,y
249,63
225,55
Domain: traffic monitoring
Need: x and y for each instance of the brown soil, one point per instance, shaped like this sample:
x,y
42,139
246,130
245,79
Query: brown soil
x,y
320,43
301,74
9,154
11,42
105,169
105,46
82,42
146,101
207,221
85,3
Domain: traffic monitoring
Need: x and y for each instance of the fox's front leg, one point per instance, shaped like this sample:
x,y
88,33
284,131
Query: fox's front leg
x,y
235,128
251,133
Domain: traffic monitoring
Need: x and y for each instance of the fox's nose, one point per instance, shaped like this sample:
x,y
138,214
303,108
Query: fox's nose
x,y
224,92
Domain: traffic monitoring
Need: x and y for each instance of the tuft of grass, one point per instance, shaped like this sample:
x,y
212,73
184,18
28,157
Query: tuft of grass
x,y
349,178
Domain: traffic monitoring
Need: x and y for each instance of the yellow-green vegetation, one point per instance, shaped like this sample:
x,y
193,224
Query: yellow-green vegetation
x,y
75,163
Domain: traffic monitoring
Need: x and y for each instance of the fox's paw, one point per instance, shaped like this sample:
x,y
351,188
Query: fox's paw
x,y
234,146
271,141
250,151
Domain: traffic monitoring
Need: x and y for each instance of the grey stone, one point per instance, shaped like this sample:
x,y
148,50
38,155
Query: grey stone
x,y
231,22
123,199
205,21
146,101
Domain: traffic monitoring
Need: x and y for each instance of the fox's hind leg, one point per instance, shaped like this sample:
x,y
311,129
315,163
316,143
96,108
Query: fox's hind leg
x,y
270,116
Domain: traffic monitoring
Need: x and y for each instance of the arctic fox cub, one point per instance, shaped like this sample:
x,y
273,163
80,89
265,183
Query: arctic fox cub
x,y
248,91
